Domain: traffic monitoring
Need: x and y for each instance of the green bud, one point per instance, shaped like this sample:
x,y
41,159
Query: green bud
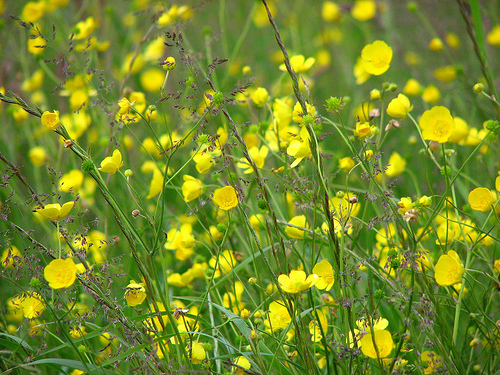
x,y
218,98
254,129
262,205
393,87
202,139
446,170
346,99
307,119
252,280
393,253
411,6
479,88
128,173
82,348
264,125
492,125
379,294
88,166
340,194
333,104
395,263
221,228
35,283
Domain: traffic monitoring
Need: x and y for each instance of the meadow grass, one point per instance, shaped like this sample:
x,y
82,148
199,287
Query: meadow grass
x,y
249,187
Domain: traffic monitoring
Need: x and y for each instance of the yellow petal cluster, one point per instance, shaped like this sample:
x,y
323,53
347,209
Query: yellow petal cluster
x,y
60,273
297,281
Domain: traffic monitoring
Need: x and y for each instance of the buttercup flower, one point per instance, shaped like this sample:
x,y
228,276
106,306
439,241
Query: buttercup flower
x,y
135,293
363,10
50,120
60,273
432,360
260,97
192,188
293,232
412,87
376,57
396,165
383,341
258,156
299,63
240,365
54,211
71,181
448,270
297,281
37,156
324,270
431,94
32,304
405,204
330,11
279,318
436,44
493,36
9,256
111,164
437,124
225,198
363,130
299,148
399,107
481,199
198,353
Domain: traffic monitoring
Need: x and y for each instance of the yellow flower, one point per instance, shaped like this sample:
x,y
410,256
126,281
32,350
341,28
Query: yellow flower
x,y
318,327
445,73
493,36
344,207
362,130
436,44
396,165
412,87
452,40
330,11
432,360
33,11
198,353
225,198
405,204
240,365
437,124
111,164
258,156
360,72
448,270
34,82
51,120
169,63
299,148
496,265
77,332
299,221
203,162
32,304
54,211
36,44
363,10
376,57
152,79
431,95
224,263
279,318
298,113
60,273
297,281
461,131
299,63
383,343
11,256
324,270
135,293
346,164
481,199
37,156
71,181
192,188
399,107
83,29
260,97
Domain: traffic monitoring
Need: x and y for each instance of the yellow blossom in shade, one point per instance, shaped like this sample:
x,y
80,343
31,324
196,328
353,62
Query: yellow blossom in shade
x,y
297,281
363,130
346,206
31,304
346,164
330,11
34,82
36,44
71,181
446,73
260,97
399,107
37,156
156,185
396,165
11,256
360,72
223,263
496,265
481,199
50,120
278,317
54,211
448,269
324,270
241,364
225,198
33,11
299,148
258,156
432,360
77,332
437,124
493,36
83,29
111,164
383,343
405,204
60,273
152,79
198,353
282,112
376,57
364,10
135,293
299,221
318,326
412,87
436,44
497,182
431,94
460,132
299,63
298,113
425,201
203,162
452,40
192,188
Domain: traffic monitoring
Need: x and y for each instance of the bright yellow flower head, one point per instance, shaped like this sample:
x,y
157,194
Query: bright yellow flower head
x,y
364,10
71,181
60,273
431,94
83,29
298,113
241,364
225,198
448,270
362,130
260,97
299,221
9,256
396,165
297,281
461,131
330,11
437,124
299,148
436,44
258,156
399,107
481,199
50,120
446,73
360,72
383,341
33,11
32,304
135,293
412,87
299,63
224,263
346,164
433,361
493,36
192,188
36,44
405,204
324,270
54,211
37,156
112,163
198,353
376,57
279,318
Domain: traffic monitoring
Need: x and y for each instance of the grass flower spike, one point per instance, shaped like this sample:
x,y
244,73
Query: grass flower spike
x,y
50,120
376,57
60,273
481,199
437,124
297,281
225,198
449,269
54,211
112,163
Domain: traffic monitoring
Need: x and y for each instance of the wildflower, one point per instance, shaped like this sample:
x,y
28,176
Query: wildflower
x,y
11,256
297,281
260,97
34,82
360,73
362,130
346,164
225,198
37,156
135,293
124,105
448,270
278,317
77,332
31,304
299,148
375,94
481,199
376,57
399,107
493,36
299,221
225,262
84,29
432,360
258,157
60,273
330,11
111,164
198,353
71,181
183,12
405,204
33,11
54,211
460,132
152,79
383,344
299,63
203,162
318,327
241,364
36,44
50,120
363,10
452,40
425,201
396,165
169,63
431,95
298,113
412,87
436,44
324,270
437,124
446,73
192,188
